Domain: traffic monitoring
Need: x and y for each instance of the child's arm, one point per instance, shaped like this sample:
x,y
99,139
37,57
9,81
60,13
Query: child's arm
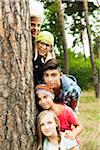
x,y
76,127
73,134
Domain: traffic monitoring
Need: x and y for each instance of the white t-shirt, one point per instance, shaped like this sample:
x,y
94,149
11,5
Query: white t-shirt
x,y
66,144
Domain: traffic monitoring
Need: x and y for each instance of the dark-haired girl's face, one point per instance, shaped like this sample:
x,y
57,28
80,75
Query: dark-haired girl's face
x,y
45,101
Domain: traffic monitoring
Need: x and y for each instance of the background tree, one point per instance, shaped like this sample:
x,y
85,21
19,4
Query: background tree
x,y
94,69
17,105
63,39
73,13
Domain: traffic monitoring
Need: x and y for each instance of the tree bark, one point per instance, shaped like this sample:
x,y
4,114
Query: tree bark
x,y
17,103
96,81
63,36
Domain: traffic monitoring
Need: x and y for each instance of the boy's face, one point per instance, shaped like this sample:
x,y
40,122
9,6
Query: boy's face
x,y
52,78
35,26
45,101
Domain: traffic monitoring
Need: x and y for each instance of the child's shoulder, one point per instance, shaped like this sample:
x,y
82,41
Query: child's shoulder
x,y
60,108
69,110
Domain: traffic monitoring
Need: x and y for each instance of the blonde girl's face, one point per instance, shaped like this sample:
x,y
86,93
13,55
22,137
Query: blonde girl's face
x,y
48,125
43,48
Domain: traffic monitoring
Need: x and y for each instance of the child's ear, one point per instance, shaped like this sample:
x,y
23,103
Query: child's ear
x,y
61,73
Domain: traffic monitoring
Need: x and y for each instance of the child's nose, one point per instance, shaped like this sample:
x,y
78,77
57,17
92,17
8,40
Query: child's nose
x,y
44,46
50,78
43,100
36,27
46,126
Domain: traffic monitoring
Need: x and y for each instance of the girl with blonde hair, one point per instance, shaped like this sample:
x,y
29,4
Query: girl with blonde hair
x,y
49,135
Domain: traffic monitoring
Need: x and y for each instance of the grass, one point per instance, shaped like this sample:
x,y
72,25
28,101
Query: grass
x,y
89,116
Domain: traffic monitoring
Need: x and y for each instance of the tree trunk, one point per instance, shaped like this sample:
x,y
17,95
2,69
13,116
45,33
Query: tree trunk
x,y
17,104
94,69
63,36
98,47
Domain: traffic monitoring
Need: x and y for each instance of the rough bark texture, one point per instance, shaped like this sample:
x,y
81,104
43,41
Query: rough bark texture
x,y
17,106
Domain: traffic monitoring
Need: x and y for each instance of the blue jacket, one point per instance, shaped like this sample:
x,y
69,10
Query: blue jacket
x,y
69,90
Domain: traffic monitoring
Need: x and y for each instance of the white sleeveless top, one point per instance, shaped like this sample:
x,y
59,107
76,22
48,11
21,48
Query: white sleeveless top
x,y
66,144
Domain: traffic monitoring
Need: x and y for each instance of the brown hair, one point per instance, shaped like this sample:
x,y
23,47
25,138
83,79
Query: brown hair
x,y
51,64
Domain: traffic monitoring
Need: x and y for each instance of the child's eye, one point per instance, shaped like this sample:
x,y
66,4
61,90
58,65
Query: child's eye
x,y
50,122
45,75
53,75
33,24
45,96
42,124
38,25
39,99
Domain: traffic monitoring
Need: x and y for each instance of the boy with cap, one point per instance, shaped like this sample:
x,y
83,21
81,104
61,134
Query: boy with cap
x,y
44,43
69,122
66,90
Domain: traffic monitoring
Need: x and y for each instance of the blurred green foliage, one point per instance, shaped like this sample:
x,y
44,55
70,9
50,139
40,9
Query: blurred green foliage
x,y
80,68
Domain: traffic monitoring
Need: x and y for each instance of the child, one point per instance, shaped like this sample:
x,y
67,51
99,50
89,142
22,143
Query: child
x,y
69,122
66,90
49,135
36,14
44,43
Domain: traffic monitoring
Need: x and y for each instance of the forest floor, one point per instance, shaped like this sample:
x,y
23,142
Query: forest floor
x,y
89,115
